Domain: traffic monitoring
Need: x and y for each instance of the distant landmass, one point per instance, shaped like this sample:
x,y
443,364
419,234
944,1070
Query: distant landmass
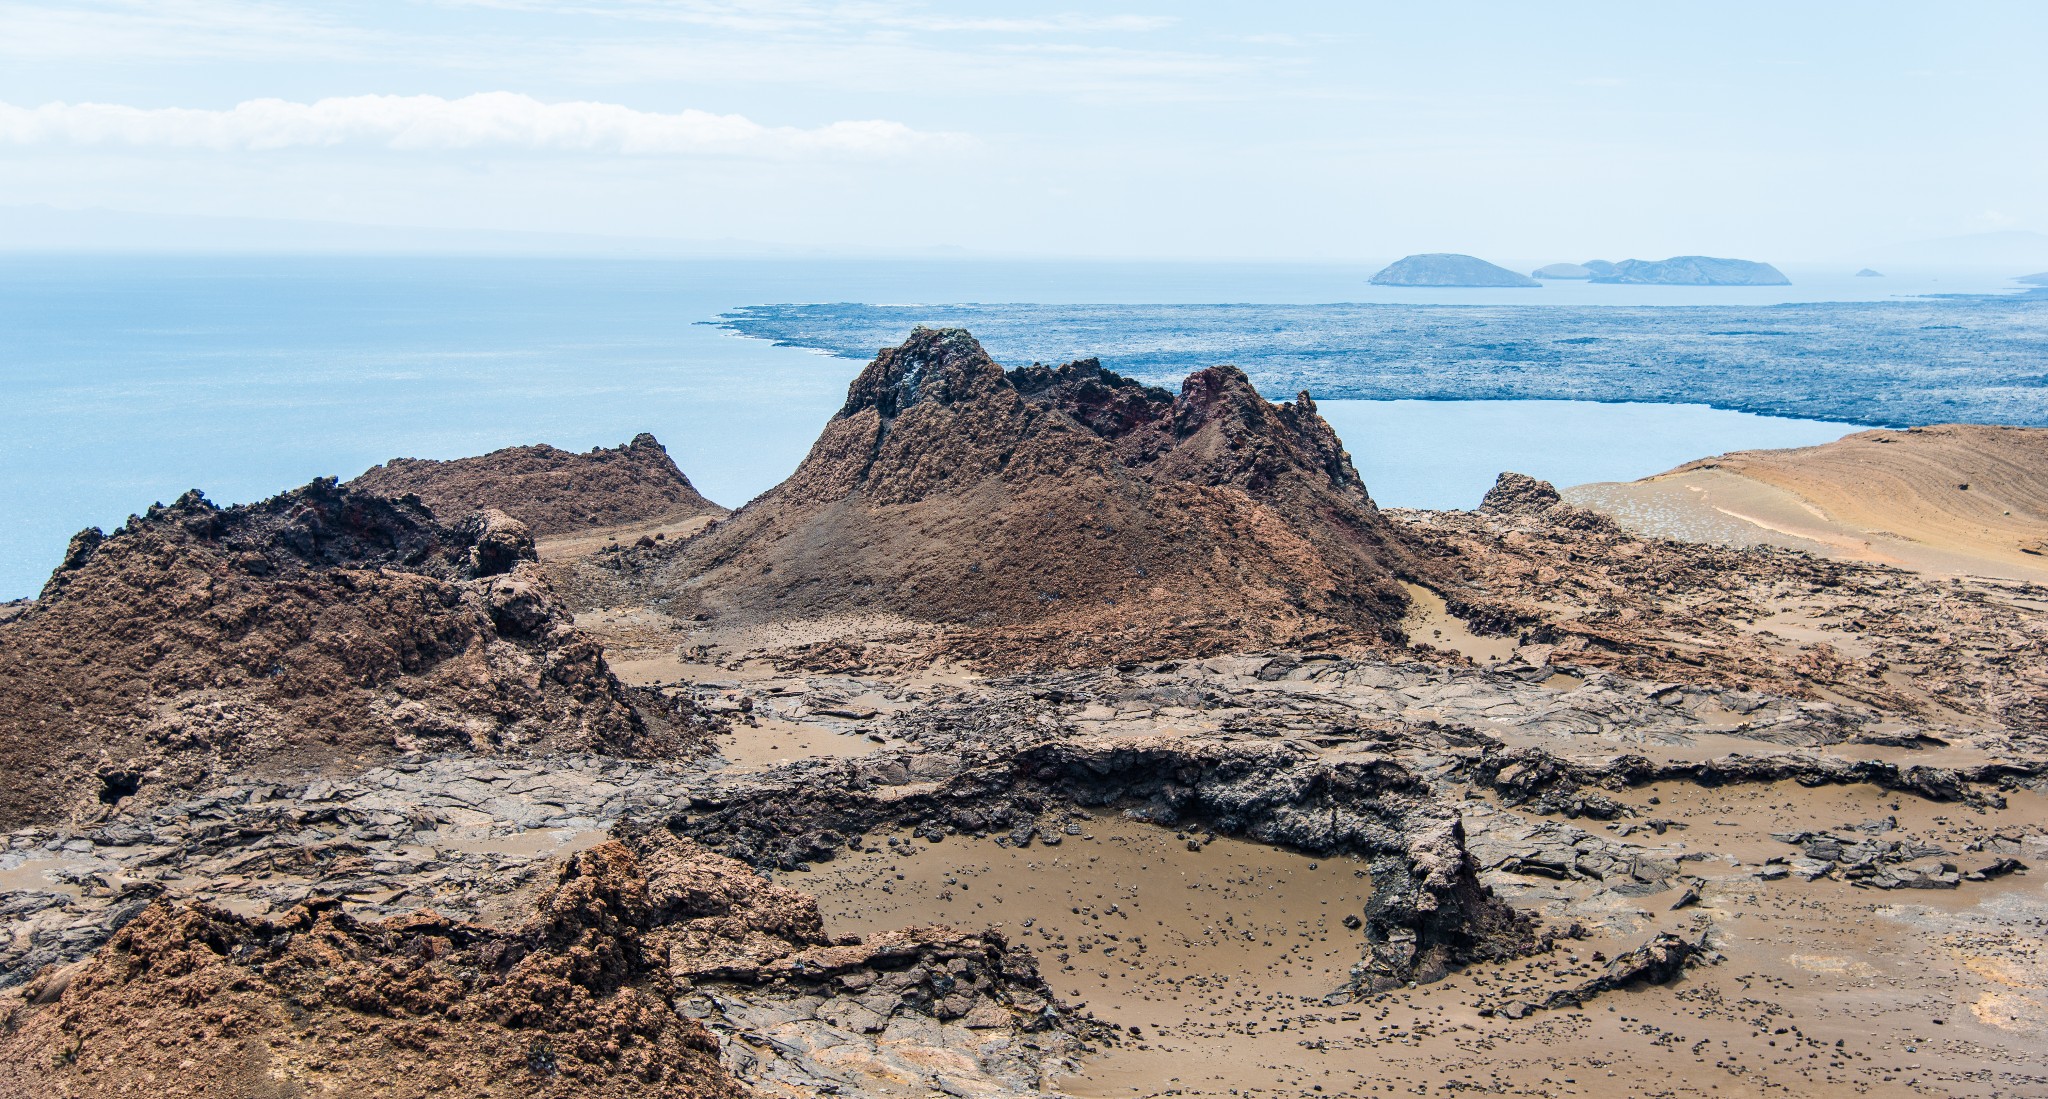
x,y
1448,269
1563,271
2034,280
1695,271
1975,359
1601,268
1867,273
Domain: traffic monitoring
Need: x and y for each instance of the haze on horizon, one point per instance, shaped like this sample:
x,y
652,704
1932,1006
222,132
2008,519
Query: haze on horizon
x,y
1316,131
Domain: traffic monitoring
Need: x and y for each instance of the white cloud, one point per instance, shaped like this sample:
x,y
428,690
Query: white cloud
x,y
490,120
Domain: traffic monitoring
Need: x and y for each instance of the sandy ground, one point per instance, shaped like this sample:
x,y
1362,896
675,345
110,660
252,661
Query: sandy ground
x,y
1946,500
1221,956
1216,962
582,543
1430,622
1189,946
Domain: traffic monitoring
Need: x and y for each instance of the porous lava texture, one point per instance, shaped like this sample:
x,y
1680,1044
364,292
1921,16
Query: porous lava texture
x,y
581,999
190,1001
1429,910
552,491
1057,516
1577,590
319,627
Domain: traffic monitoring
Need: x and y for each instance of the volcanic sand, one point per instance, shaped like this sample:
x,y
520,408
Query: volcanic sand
x,y
1202,951
1430,622
1954,499
1220,959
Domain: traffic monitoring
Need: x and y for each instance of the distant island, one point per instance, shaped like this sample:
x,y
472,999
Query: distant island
x,y
1563,271
2034,280
1689,271
1448,269
1867,273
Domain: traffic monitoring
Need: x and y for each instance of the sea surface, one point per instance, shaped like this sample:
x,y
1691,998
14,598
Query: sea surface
x,y
129,379
1892,363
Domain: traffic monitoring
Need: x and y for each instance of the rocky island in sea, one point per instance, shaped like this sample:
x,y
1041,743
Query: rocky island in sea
x,y
1045,733
1562,271
1447,269
1690,271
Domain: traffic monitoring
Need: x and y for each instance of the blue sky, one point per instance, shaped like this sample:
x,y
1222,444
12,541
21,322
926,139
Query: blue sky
x,y
1272,130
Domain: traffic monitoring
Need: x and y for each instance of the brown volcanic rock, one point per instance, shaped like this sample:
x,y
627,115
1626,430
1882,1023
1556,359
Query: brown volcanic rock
x,y
190,1001
1519,492
551,491
1582,593
1058,516
581,999
316,627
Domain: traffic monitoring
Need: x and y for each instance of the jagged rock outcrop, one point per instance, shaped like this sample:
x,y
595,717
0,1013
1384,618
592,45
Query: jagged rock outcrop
x,y
1050,516
1661,961
551,491
1447,269
191,1001
594,994
1518,494
321,626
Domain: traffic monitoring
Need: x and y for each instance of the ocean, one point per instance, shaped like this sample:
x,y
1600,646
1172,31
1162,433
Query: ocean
x,y
131,379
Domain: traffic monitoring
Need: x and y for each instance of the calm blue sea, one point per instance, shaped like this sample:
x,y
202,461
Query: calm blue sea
x,y
130,379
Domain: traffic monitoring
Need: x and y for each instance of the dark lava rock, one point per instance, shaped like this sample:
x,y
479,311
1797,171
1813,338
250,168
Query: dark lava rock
x,y
1519,492
1660,961
1428,909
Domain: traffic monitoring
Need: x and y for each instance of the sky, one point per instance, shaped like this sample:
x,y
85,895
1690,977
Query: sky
x,y
1276,130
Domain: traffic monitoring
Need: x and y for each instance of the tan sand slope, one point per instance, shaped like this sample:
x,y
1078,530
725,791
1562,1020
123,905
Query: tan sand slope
x,y
1949,499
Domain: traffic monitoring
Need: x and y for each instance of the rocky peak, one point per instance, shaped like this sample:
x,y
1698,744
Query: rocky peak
x,y
1519,493
1247,440
552,491
321,525
938,364
1101,400
1078,509
1213,392
1525,499
320,626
